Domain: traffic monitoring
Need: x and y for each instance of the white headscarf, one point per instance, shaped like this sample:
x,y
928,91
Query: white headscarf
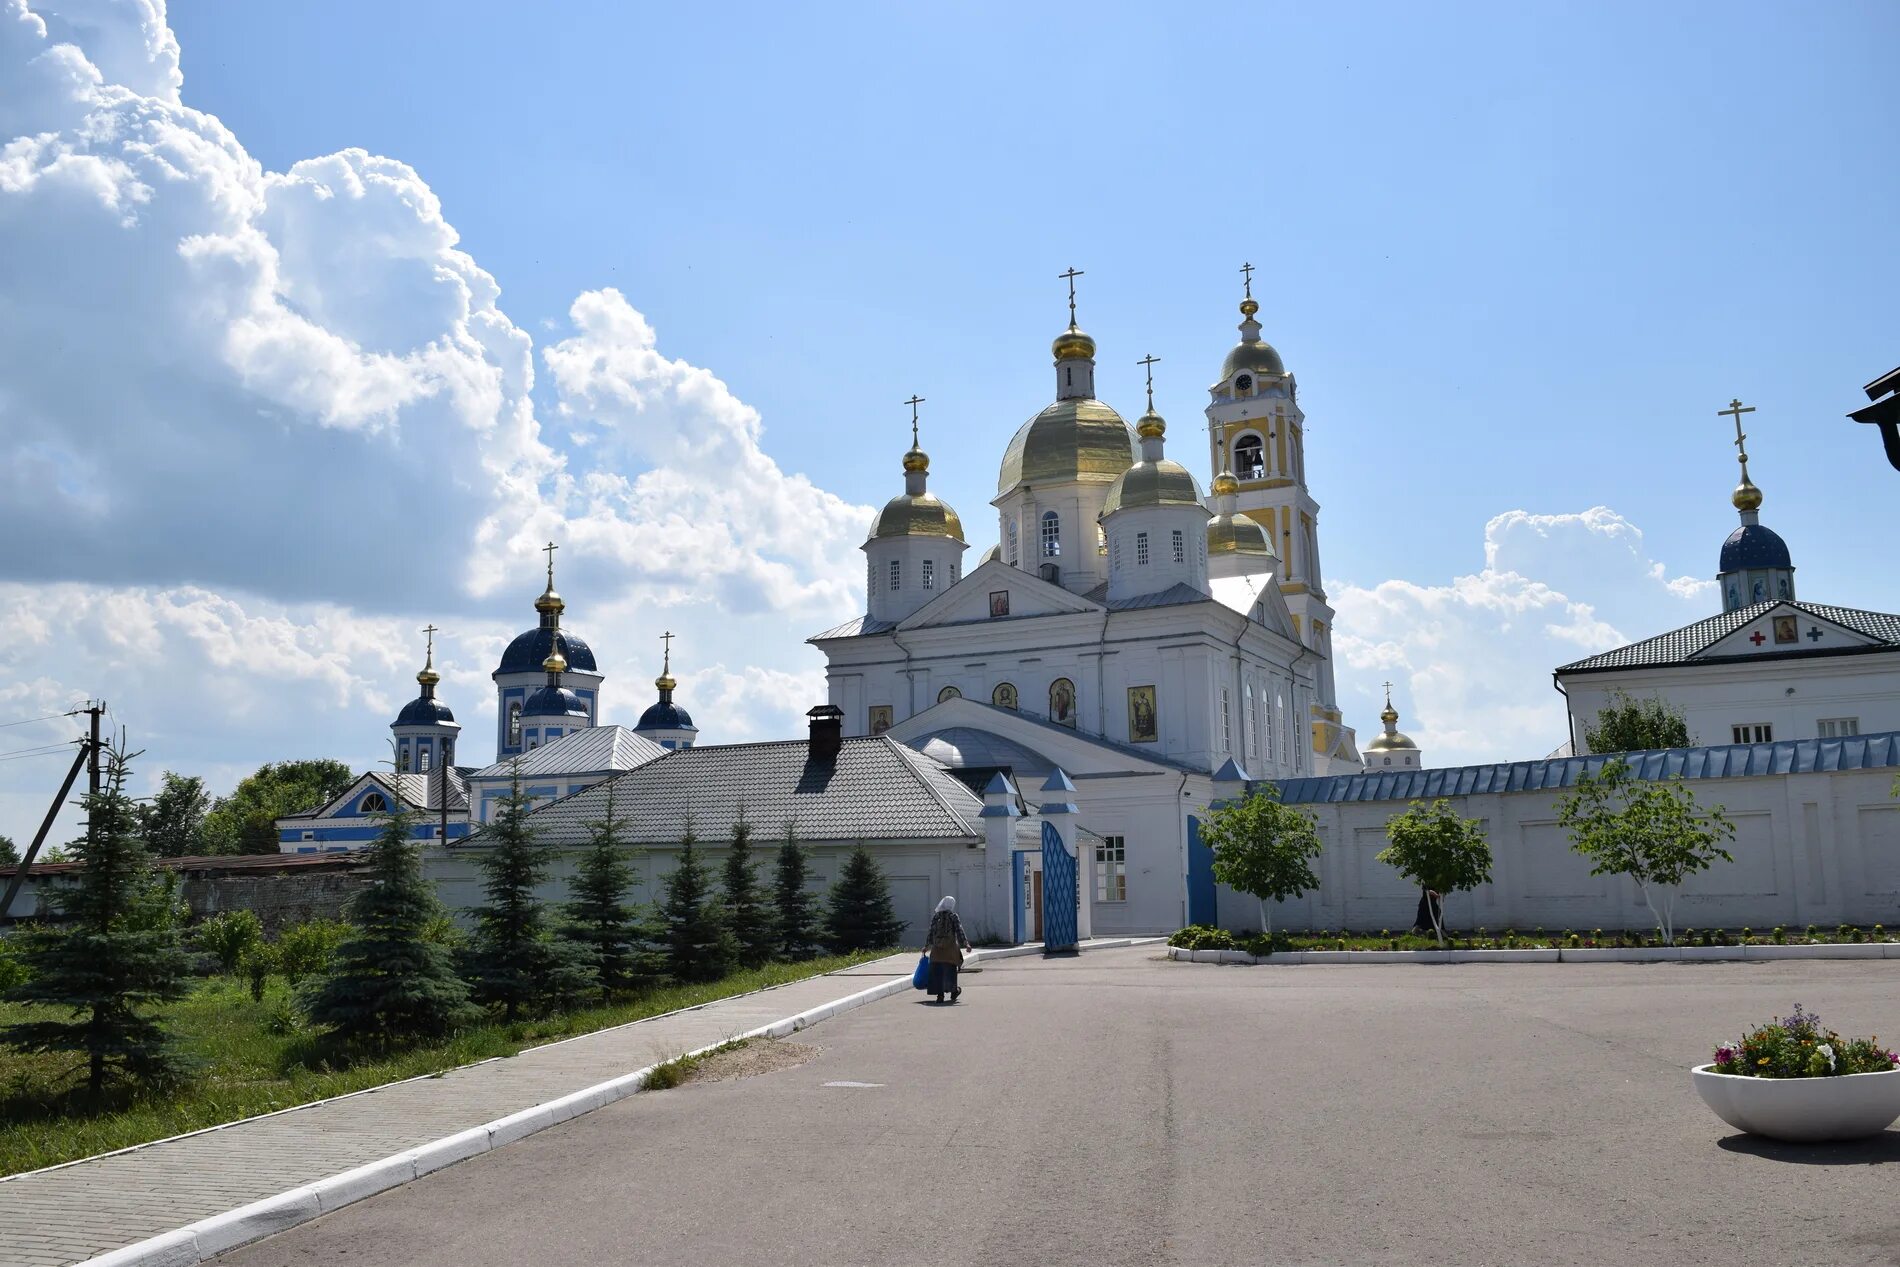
x,y
948,904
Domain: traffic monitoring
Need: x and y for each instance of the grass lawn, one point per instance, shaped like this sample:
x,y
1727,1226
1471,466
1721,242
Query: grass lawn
x,y
249,1061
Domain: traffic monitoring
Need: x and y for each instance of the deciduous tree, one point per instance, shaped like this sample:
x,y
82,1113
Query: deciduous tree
x,y
1632,725
1437,850
1263,848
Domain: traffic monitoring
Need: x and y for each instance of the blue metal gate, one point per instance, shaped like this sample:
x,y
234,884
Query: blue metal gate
x,y
1059,896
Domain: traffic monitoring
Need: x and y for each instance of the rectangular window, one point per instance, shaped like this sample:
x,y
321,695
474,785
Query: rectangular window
x,y
309,835
1141,549
1226,722
930,573
870,576
955,568
897,575
1180,547
1111,870
1753,732
1839,727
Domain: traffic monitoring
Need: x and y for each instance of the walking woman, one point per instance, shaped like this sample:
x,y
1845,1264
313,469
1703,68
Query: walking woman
x,y
945,944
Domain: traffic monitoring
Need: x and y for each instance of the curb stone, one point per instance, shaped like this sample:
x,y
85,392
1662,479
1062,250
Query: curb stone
x,y
1595,954
205,1239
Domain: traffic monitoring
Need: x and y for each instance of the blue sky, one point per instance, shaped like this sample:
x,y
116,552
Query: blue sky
x,y
1518,256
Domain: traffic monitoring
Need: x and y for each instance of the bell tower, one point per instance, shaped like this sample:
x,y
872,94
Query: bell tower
x,y
1255,429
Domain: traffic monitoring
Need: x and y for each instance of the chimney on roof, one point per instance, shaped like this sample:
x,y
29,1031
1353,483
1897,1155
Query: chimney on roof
x,y
827,732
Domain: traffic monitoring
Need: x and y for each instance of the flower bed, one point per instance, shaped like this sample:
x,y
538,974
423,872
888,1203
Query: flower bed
x,y
1796,1046
1202,937
1794,1080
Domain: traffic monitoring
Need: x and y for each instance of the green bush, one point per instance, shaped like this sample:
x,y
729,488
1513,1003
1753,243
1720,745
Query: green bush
x,y
304,950
256,963
226,936
1201,937
12,970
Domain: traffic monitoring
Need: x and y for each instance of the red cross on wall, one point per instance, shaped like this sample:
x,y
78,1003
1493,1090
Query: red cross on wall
x,y
1757,638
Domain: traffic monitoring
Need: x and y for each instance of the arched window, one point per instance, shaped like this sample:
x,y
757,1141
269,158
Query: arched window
x,y
1101,540
422,759
1011,533
1180,547
948,693
1141,549
1062,702
1250,461
1004,696
374,803
1051,534
1251,740
514,723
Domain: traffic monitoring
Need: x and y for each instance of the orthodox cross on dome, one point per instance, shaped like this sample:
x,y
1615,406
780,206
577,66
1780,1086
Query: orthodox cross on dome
x,y
431,631
1148,363
666,665
914,401
549,550
1735,410
1246,271
1070,277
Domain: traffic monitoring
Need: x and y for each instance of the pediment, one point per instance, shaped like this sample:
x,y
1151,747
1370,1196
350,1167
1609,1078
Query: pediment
x,y
344,805
976,599
1783,628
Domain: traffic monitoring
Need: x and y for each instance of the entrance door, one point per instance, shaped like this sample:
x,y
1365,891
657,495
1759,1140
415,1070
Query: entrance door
x,y
1059,918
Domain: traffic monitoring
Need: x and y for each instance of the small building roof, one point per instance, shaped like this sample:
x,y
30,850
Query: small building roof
x,y
1726,761
873,789
593,750
1686,645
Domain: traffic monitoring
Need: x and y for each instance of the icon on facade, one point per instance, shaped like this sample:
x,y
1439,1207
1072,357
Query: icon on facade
x,y
1785,630
949,692
1062,702
1141,714
880,718
999,602
1004,696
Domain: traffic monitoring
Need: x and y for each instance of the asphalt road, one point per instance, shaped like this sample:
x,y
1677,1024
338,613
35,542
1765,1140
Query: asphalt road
x,y
1120,1109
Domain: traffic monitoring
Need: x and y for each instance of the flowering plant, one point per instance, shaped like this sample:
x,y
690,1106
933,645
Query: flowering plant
x,y
1796,1046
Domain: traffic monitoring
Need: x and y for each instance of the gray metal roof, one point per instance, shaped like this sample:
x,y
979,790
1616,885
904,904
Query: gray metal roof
x,y
594,750
856,627
876,789
1151,755
1728,761
966,746
1685,645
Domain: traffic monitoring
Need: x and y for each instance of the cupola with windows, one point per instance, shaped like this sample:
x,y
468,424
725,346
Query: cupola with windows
x,y
1153,518
1236,544
915,550
665,722
521,673
1391,750
1755,566
425,729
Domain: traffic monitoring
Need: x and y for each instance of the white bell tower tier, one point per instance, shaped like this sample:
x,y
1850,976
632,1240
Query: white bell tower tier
x,y
1256,431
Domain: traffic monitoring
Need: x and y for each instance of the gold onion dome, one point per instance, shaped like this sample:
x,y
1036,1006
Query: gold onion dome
x,y
1747,496
1080,440
1162,483
1391,740
1073,345
1151,425
1225,485
1252,354
556,662
665,682
917,516
549,601
916,460
1238,534
428,676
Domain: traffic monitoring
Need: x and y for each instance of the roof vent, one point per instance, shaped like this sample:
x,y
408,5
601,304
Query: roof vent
x,y
827,732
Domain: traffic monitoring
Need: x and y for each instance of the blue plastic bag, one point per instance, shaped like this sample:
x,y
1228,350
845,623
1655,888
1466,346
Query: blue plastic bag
x,y
920,979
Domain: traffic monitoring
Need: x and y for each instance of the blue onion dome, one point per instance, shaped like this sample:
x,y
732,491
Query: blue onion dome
x,y
665,715
554,701
527,653
424,710
1754,546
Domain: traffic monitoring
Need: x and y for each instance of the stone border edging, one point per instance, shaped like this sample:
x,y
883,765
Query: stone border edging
x,y
1596,954
209,1237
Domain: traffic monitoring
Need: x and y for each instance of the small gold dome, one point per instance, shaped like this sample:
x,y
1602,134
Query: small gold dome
x,y
1073,345
1225,485
919,516
549,601
1747,496
556,662
1163,483
916,460
1238,534
1248,307
1151,426
1072,441
1257,357
428,677
665,682
1389,715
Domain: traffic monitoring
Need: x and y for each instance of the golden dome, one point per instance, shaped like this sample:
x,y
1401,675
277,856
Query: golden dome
x,y
556,662
1163,483
1151,425
994,553
1391,741
1257,357
1747,496
916,460
1225,485
919,516
1237,534
1073,345
428,677
1249,306
665,682
1072,440
549,601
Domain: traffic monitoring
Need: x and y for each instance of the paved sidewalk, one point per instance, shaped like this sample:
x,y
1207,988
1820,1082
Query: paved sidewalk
x,y
65,1215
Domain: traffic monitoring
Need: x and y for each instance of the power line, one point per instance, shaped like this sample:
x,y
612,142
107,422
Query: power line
x,y
30,720
43,747
43,752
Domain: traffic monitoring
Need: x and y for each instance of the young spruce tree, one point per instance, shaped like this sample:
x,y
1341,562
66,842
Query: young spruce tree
x,y
747,915
859,914
600,921
797,907
699,946
115,953
513,961
390,980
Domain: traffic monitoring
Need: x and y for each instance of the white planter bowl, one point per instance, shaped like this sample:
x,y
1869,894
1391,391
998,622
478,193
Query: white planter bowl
x,y
1803,1110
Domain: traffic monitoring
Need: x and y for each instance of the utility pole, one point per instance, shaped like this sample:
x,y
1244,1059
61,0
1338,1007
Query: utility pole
x,y
88,756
